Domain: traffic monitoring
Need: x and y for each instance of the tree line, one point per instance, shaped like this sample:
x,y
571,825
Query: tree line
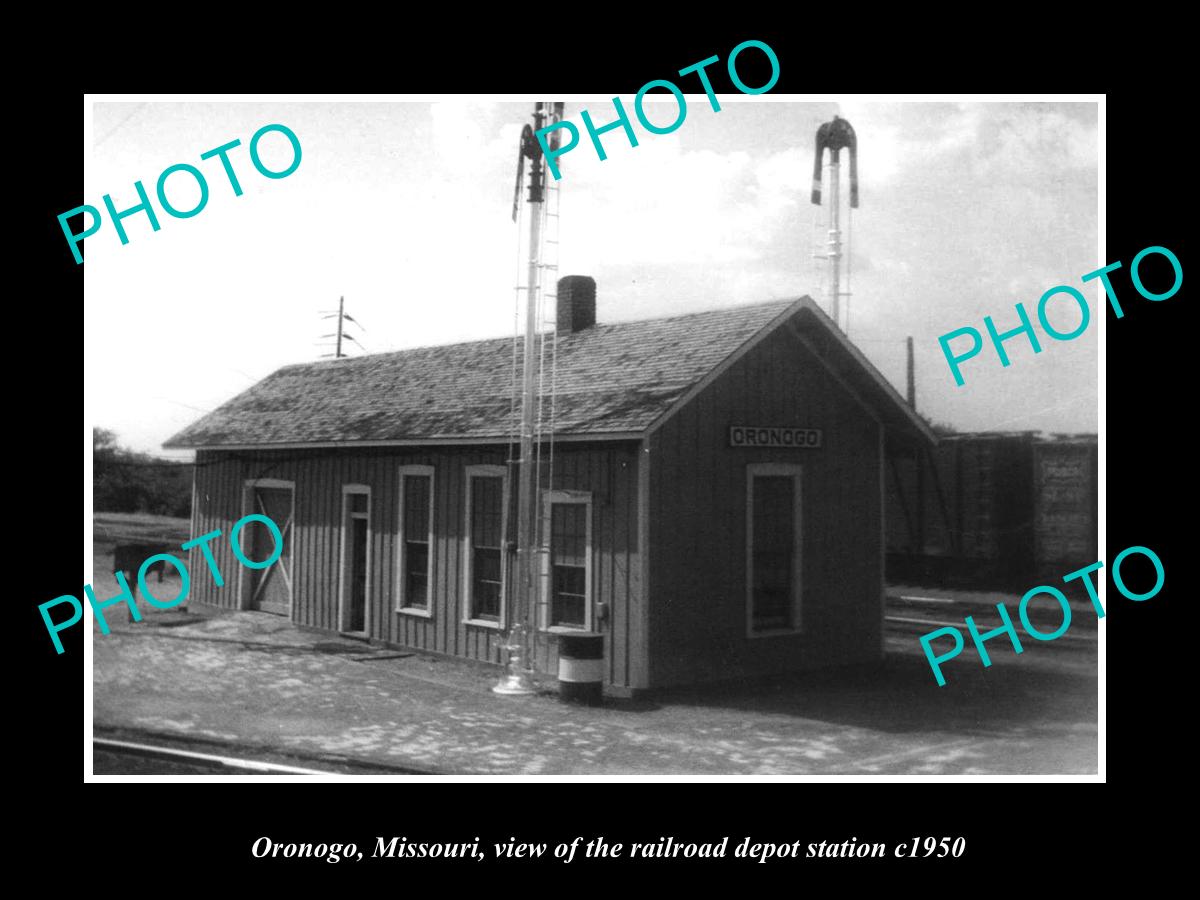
x,y
124,480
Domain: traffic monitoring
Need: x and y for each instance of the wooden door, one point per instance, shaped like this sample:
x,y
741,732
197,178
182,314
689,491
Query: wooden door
x,y
271,588
356,561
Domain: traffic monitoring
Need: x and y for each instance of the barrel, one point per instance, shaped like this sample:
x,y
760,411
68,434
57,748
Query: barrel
x,y
581,667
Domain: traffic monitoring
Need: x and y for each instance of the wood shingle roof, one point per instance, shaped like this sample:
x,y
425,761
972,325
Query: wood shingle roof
x,y
611,380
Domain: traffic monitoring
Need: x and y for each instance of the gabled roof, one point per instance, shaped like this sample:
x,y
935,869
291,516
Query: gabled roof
x,y
906,430
612,381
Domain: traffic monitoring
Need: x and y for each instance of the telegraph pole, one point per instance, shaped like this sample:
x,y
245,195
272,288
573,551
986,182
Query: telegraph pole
x,y
341,334
912,382
341,318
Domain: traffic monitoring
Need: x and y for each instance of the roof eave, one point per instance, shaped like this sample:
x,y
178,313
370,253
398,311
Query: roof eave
x,y
724,365
899,405
434,441
906,413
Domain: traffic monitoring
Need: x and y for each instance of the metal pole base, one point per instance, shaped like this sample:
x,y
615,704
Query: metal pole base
x,y
514,684
517,679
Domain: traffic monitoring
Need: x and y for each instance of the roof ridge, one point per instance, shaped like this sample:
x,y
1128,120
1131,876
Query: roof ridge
x,y
479,341
612,378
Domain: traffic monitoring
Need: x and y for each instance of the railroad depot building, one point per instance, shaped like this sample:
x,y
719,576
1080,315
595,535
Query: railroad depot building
x,y
715,507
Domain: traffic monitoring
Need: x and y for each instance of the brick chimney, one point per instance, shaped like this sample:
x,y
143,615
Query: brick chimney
x,y
576,303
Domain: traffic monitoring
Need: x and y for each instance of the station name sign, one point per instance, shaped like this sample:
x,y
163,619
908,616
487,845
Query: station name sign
x,y
773,436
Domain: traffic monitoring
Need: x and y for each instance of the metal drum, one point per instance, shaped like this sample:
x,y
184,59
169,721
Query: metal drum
x,y
581,668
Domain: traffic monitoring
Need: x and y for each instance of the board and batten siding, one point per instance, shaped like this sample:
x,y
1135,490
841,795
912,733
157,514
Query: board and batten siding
x,y
697,514
609,471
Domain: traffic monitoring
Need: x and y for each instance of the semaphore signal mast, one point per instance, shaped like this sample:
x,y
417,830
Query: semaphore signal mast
x,y
518,677
837,135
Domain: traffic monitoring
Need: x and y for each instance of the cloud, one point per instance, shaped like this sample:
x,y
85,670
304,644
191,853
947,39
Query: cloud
x,y
404,209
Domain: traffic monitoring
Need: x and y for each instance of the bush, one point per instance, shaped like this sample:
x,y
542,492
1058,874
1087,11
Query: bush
x,y
127,481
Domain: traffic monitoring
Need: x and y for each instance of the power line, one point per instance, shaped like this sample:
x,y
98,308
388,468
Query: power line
x,y
186,405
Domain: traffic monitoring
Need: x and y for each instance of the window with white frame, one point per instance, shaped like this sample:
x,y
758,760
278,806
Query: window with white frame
x,y
484,556
773,563
568,560
415,551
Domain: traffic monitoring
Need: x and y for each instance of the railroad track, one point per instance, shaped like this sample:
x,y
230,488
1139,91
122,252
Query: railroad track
x,y
138,757
910,614
200,761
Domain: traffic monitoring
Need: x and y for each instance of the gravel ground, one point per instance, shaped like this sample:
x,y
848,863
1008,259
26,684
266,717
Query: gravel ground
x,y
253,680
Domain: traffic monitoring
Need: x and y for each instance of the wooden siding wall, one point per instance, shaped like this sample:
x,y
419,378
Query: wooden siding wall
x,y
609,471
697,539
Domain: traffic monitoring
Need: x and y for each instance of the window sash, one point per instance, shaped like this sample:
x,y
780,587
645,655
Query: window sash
x,y
568,560
483,544
568,604
415,539
416,574
487,582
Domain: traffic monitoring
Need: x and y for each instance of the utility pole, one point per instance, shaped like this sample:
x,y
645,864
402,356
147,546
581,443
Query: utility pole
x,y
912,383
920,456
342,317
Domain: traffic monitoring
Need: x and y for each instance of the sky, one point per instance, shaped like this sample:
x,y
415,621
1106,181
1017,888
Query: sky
x,y
404,208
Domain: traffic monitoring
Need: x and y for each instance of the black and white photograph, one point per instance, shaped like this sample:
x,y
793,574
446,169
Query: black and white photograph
x,y
708,435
